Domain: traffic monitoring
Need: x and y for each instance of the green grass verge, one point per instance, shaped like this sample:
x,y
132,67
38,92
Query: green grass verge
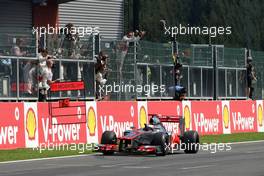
x,y
225,138
22,154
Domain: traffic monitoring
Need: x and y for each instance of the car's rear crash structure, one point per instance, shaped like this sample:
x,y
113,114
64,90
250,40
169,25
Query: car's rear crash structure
x,y
152,139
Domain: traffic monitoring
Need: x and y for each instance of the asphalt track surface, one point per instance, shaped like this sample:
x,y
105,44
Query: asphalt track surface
x,y
243,160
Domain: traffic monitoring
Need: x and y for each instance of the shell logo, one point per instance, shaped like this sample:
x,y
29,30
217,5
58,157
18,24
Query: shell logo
x,y
187,117
226,116
31,124
91,121
142,117
260,115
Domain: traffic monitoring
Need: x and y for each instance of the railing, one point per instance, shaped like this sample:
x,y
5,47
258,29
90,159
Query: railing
x,y
149,63
231,68
18,57
17,51
258,57
144,63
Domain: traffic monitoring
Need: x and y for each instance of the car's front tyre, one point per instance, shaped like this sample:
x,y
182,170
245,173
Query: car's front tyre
x,y
159,140
191,141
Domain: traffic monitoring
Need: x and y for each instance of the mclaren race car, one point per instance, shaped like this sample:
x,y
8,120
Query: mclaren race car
x,y
152,139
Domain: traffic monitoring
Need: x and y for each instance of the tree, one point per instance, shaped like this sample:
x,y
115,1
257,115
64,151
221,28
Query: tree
x,y
244,16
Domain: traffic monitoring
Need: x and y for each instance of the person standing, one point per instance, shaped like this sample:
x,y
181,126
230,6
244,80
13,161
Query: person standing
x,y
251,78
129,37
46,79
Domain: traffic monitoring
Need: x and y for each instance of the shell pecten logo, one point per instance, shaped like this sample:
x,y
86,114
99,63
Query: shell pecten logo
x,y
187,117
31,124
226,116
142,117
260,115
91,121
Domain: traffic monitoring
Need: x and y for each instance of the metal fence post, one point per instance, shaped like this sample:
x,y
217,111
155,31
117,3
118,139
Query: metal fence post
x,y
161,81
37,46
214,49
237,82
93,53
225,83
17,82
93,56
135,66
189,85
201,86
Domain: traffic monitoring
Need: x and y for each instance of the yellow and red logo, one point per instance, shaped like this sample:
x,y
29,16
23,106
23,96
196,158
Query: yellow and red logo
x,y
226,117
260,115
91,121
142,117
31,124
187,117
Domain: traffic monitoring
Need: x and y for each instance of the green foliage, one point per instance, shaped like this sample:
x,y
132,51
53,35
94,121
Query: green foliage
x,y
244,16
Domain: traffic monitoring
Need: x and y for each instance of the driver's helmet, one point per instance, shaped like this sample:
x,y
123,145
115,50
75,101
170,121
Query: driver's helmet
x,y
154,120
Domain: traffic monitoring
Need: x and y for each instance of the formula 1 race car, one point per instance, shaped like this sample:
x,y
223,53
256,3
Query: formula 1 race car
x,y
152,139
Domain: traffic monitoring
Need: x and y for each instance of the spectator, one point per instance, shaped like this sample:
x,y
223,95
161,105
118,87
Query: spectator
x,y
178,92
251,78
26,76
42,57
101,75
68,48
46,79
178,75
101,60
34,71
30,67
70,40
16,49
129,37
101,71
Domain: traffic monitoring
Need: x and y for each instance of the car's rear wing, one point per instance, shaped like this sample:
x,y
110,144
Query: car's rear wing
x,y
171,119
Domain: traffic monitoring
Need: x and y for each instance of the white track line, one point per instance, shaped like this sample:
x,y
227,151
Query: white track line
x,y
196,167
114,165
40,159
136,167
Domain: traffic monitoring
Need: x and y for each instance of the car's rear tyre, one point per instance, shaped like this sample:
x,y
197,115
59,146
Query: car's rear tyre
x,y
191,141
159,140
108,137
